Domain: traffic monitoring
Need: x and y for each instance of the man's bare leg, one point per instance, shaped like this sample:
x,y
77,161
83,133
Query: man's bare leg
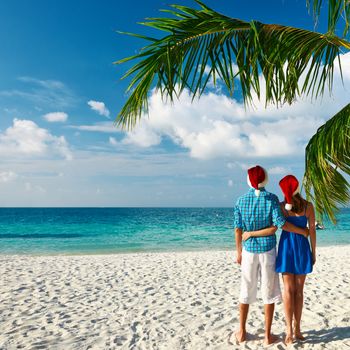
x,y
269,310
243,314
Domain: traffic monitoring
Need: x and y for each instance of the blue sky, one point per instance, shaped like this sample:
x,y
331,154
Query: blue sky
x,y
60,92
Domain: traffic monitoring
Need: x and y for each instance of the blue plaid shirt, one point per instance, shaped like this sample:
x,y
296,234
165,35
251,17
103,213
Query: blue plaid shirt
x,y
252,213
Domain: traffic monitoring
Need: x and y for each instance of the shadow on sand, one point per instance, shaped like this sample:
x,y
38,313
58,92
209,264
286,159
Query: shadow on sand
x,y
323,336
327,336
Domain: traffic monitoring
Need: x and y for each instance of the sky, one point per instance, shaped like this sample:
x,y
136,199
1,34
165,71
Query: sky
x,y
60,93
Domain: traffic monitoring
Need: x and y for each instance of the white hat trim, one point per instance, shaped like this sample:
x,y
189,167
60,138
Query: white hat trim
x,y
288,206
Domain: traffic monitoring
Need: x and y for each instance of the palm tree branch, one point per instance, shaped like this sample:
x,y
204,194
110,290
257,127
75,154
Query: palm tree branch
x,y
327,162
337,10
205,38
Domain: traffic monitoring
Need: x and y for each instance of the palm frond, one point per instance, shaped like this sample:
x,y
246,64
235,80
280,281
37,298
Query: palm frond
x,y
338,10
327,160
198,39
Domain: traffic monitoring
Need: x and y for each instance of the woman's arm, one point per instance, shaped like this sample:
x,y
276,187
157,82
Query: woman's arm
x,y
312,229
268,231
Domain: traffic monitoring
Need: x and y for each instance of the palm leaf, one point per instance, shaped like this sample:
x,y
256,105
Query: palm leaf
x,y
327,161
337,10
196,39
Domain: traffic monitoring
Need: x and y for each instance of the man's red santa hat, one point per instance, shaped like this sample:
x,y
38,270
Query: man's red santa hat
x,y
257,178
290,187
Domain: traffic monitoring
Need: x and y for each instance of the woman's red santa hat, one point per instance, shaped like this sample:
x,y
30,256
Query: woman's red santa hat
x,y
290,187
257,178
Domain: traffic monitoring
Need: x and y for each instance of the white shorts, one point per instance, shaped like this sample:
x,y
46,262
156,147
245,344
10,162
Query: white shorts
x,y
261,266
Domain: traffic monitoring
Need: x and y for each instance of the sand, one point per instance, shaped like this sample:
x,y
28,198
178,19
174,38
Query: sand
x,y
157,301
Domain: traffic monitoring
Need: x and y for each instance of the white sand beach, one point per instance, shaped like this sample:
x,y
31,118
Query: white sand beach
x,y
157,301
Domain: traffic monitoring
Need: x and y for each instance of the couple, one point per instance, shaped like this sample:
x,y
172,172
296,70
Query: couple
x,y
257,215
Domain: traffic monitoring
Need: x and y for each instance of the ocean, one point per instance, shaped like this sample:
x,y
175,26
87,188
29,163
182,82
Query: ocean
x,y
121,230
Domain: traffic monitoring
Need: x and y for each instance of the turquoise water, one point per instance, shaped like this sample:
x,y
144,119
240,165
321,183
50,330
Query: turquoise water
x,y
116,230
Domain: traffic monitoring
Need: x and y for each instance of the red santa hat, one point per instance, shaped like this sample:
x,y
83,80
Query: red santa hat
x,y
290,187
257,178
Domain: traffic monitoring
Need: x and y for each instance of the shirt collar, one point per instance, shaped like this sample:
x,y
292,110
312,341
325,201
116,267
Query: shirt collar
x,y
262,189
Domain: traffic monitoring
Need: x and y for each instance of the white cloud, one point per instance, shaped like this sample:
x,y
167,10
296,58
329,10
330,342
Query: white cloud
x,y
42,93
107,127
56,117
34,188
200,176
143,137
218,126
278,170
230,183
49,84
113,141
239,165
7,176
99,107
26,138
40,189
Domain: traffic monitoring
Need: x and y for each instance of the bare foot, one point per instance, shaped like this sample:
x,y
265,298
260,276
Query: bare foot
x,y
299,336
270,339
288,340
240,336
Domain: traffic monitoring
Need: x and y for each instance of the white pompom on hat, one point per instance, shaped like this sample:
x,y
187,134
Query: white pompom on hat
x,y
290,187
257,178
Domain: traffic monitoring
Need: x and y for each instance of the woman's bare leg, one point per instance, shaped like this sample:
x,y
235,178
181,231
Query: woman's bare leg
x,y
288,301
299,302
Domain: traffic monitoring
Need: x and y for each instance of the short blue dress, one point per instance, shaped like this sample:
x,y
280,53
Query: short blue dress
x,y
294,253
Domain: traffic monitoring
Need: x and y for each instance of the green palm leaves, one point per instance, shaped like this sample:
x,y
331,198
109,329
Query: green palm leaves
x,y
198,39
200,45
327,161
337,10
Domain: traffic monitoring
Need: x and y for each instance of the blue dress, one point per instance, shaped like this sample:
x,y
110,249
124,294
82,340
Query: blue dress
x,y
294,253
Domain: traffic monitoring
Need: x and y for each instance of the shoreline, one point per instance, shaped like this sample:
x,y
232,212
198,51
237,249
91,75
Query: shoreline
x,y
137,252
168,300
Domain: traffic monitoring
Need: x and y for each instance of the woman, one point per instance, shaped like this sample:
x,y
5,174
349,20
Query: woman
x,y
295,258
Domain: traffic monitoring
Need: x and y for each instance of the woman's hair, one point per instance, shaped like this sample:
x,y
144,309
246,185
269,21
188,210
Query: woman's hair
x,y
298,203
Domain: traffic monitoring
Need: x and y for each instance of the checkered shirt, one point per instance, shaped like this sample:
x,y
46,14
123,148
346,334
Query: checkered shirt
x,y
252,213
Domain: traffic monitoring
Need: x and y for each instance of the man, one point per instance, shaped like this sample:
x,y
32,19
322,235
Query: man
x,y
258,210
